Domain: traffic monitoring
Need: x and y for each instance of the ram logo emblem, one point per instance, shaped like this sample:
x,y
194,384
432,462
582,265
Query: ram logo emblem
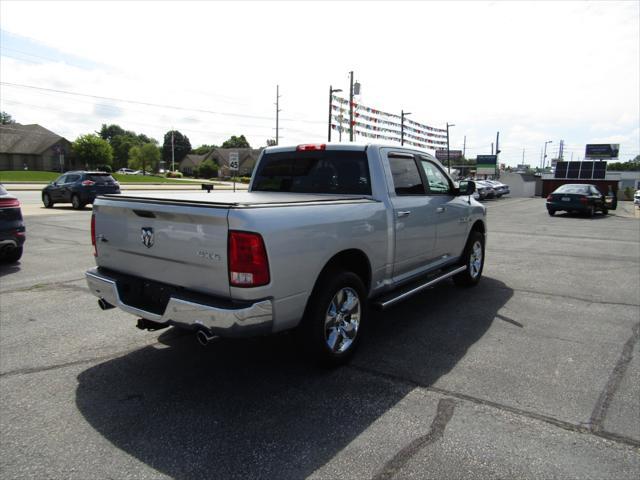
x,y
147,237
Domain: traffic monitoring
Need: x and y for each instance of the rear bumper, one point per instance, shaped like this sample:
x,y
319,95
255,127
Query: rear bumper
x,y
217,317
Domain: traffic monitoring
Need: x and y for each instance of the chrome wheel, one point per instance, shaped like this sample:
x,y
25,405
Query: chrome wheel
x,y
342,320
475,260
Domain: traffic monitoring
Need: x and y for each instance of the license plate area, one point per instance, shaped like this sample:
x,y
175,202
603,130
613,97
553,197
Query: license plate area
x,y
146,295
566,199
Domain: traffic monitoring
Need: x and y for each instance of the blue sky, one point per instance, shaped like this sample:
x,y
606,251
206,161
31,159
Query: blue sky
x,y
533,71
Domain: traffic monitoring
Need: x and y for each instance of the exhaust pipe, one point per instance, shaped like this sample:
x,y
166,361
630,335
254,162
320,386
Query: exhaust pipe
x,y
105,305
205,338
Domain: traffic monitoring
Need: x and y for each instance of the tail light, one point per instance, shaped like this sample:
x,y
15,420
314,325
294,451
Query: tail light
x,y
311,147
88,183
248,262
583,200
549,198
93,235
9,203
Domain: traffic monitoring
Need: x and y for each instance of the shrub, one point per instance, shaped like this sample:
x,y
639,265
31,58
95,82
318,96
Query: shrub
x,y
208,169
628,193
104,168
175,174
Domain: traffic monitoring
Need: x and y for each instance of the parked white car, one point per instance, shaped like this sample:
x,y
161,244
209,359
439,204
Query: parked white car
x,y
636,198
126,171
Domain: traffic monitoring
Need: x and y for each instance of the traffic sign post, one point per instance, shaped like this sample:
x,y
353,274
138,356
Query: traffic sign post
x,y
234,166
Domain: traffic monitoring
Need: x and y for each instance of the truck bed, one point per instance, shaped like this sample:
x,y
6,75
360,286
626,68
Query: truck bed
x,y
226,199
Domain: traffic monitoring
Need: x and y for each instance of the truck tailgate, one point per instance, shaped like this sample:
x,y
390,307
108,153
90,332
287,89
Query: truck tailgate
x,y
178,244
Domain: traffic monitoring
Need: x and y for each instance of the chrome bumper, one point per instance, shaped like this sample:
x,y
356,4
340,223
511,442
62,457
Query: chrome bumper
x,y
252,320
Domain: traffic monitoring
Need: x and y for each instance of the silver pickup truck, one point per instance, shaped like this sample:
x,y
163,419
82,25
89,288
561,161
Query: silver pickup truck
x,y
323,233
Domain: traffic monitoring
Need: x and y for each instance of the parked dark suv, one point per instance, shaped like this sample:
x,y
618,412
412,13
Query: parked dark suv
x,y
11,227
78,188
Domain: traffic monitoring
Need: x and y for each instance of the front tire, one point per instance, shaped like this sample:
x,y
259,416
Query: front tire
x,y
551,212
335,318
473,258
605,211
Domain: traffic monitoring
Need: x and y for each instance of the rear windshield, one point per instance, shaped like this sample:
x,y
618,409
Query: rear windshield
x,y
325,171
572,189
96,177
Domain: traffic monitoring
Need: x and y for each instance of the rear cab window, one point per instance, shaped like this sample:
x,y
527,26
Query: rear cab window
x,y
100,178
317,171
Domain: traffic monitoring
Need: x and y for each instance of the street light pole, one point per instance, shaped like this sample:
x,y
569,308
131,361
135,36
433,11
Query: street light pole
x,y
448,157
402,115
544,157
331,92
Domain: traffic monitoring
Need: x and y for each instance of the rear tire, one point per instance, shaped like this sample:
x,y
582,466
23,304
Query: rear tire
x,y
13,256
605,211
473,258
46,200
335,318
551,212
76,203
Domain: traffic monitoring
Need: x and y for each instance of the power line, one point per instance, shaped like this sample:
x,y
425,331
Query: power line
x,y
150,104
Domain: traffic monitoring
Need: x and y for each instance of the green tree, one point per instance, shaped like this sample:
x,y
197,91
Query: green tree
x,y
181,147
143,157
271,142
122,145
6,119
202,149
208,169
108,132
92,150
236,142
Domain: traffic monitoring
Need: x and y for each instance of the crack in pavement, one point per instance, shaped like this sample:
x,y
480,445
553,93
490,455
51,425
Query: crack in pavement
x,y
42,287
505,408
606,396
572,297
400,459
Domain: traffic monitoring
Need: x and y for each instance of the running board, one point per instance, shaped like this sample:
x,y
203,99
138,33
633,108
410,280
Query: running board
x,y
404,293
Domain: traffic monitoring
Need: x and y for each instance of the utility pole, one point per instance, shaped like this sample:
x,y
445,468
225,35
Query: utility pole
x,y
173,153
278,114
402,115
351,106
491,148
448,156
523,156
331,92
464,147
497,170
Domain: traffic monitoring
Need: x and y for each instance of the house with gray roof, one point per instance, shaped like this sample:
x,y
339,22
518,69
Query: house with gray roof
x,y
35,147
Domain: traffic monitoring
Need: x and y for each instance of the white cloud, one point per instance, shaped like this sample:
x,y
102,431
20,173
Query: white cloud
x,y
533,70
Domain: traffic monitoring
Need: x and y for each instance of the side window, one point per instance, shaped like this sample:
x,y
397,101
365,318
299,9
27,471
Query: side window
x,y
437,181
72,178
406,177
61,179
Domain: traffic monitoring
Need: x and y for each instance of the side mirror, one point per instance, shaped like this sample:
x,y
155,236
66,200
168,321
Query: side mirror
x,y
467,187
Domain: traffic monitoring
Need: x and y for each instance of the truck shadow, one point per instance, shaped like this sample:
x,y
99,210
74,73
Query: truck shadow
x,y
257,409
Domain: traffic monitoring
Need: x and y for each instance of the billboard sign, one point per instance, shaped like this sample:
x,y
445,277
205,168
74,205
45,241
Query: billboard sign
x,y
441,155
602,150
486,164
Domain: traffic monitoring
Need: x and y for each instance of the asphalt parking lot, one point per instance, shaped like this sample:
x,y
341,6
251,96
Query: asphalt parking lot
x,y
535,373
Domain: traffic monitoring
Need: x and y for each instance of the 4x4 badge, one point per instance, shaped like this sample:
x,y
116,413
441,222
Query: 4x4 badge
x,y
147,237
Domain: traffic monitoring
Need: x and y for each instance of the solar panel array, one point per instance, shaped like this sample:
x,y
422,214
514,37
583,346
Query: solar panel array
x,y
582,170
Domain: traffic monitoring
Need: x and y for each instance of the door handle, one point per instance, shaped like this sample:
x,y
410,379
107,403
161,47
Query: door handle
x,y
404,213
440,209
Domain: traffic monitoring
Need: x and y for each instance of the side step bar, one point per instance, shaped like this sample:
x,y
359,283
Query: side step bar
x,y
404,293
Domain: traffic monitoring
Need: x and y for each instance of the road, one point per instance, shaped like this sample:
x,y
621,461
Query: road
x,y
534,373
